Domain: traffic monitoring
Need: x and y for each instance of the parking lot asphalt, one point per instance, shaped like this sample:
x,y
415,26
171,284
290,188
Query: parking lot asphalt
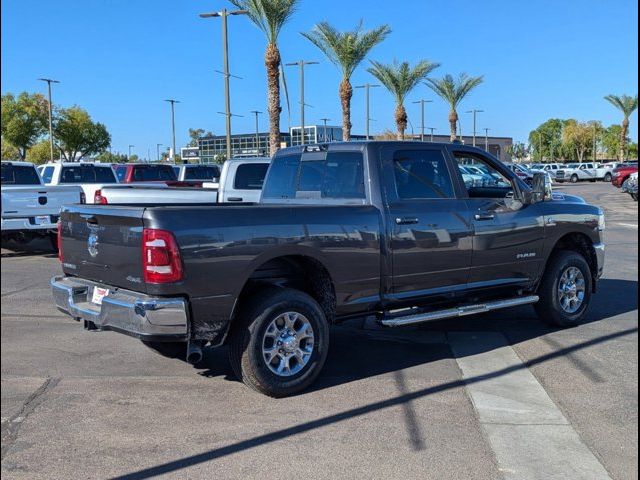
x,y
447,400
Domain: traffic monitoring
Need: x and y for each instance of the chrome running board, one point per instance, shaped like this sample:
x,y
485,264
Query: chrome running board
x,y
458,311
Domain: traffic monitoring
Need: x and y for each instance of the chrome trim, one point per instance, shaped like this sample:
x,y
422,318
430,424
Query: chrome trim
x,y
600,249
132,313
459,311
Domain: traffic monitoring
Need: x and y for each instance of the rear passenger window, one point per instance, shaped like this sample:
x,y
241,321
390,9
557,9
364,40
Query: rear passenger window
x,y
422,174
250,176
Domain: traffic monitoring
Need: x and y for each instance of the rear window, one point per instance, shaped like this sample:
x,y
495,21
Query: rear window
x,y
47,174
202,173
337,175
87,174
250,176
19,175
153,173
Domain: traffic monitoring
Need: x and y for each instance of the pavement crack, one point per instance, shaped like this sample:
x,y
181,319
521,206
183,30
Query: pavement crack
x,y
11,427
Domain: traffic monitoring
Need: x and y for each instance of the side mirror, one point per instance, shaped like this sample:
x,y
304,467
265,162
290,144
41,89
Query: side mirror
x,y
542,189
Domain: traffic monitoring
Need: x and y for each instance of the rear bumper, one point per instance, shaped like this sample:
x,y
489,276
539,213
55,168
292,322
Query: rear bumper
x,y
131,313
28,223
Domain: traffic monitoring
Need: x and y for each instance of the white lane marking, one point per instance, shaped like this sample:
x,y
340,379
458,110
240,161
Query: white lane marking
x,y
628,225
528,433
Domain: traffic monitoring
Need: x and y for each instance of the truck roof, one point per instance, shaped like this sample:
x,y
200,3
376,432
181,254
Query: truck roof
x,y
19,164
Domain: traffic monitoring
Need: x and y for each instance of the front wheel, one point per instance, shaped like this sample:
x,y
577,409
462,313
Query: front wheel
x,y
574,178
565,290
280,344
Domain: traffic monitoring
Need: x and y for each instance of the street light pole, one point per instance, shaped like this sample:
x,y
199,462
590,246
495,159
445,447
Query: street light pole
x,y
257,113
173,126
302,64
475,112
130,147
432,130
224,14
158,145
486,139
49,82
325,120
422,127
595,143
367,88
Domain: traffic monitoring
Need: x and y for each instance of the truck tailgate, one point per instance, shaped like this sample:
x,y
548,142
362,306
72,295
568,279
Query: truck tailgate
x,y
30,201
104,244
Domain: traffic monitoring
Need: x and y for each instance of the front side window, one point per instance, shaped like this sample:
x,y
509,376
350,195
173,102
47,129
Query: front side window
x,y
422,174
491,183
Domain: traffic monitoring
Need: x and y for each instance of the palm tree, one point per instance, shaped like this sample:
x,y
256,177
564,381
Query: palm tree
x,y
346,50
452,91
627,105
400,79
270,16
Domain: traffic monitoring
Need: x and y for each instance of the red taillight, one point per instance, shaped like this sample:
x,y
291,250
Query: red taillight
x,y
99,199
60,254
160,257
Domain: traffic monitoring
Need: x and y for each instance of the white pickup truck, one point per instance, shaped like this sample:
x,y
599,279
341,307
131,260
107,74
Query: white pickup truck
x,y
240,182
91,177
577,172
29,208
197,172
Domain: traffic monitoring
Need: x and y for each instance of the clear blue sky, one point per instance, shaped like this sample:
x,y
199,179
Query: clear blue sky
x,y
119,59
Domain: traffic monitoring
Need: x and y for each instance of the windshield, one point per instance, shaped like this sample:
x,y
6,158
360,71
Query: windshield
x,y
19,175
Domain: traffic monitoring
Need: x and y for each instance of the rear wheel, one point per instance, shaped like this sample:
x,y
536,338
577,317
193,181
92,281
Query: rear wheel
x,y
608,177
281,342
565,290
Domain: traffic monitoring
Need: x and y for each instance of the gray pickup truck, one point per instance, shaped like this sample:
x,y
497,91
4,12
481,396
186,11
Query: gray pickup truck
x,y
387,231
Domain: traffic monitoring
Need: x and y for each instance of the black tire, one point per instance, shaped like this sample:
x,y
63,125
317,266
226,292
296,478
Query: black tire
x,y
53,239
608,177
575,178
634,196
246,344
549,308
169,349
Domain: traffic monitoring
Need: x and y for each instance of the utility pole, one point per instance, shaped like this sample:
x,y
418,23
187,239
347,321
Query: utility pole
x,y
49,82
224,14
486,139
129,156
325,120
367,87
302,64
158,145
475,113
432,130
257,113
595,142
422,127
173,126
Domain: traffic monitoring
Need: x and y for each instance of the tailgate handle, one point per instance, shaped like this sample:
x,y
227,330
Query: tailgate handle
x,y
92,220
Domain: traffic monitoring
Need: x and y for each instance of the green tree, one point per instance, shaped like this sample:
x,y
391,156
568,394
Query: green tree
x,y
400,79
627,105
546,141
518,151
9,152
108,157
39,153
578,137
24,120
270,16
346,50
77,135
195,134
453,91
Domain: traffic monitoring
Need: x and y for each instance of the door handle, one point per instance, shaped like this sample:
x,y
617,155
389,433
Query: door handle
x,y
407,221
234,199
484,216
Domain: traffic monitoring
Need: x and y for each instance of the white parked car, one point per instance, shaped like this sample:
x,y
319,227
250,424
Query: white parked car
x,y
29,208
588,171
91,177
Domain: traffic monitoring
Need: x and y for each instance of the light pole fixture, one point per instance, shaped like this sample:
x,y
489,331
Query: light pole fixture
x,y
173,125
302,64
224,14
367,87
486,139
158,145
432,129
422,127
324,121
257,113
49,82
475,113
